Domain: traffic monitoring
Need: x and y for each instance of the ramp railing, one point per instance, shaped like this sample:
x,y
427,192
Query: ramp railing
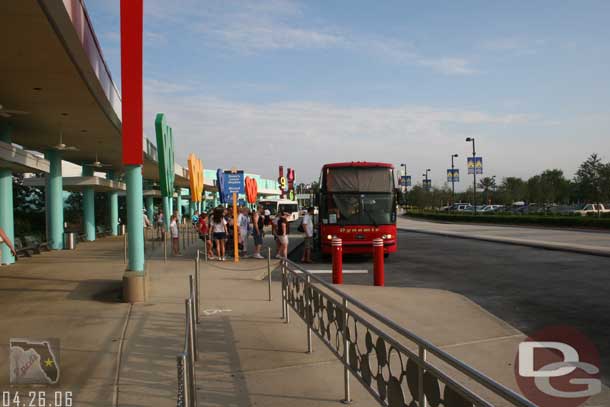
x,y
396,366
187,382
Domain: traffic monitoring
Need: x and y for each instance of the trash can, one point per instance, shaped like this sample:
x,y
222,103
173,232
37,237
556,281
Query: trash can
x,y
69,241
121,230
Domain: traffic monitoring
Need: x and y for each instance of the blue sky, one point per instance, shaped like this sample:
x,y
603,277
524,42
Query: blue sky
x,y
311,82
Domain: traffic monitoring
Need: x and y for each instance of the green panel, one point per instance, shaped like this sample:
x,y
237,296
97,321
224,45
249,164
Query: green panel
x,y
165,152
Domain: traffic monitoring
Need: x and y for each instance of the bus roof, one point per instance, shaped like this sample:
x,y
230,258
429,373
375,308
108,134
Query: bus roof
x,y
358,164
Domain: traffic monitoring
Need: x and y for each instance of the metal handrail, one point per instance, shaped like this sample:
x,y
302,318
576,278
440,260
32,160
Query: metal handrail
x,y
424,346
185,360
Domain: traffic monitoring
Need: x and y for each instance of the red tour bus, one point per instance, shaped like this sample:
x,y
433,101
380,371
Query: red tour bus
x,y
357,203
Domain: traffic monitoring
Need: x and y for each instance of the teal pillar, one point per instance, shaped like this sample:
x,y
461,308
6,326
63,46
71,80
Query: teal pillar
x,y
167,211
179,207
7,218
55,202
135,220
88,207
193,208
113,207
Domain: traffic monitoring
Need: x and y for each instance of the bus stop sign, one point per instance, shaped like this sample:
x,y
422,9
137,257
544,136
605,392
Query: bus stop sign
x,y
233,182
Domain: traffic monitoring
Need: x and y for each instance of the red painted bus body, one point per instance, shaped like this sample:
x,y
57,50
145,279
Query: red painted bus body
x,y
357,203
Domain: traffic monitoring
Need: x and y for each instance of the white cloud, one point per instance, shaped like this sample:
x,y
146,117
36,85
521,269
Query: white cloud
x,y
449,66
269,35
515,45
305,135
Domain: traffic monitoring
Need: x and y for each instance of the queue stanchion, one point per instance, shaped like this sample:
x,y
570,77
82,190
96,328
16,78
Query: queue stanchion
x,y
125,247
378,266
337,252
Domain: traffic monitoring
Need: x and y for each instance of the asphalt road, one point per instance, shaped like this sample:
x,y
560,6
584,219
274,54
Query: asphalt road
x,y
529,288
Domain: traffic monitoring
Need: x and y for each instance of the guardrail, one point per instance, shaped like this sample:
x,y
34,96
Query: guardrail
x,y
387,368
185,361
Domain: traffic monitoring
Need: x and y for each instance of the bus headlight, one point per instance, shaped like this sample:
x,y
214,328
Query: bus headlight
x,y
329,237
388,236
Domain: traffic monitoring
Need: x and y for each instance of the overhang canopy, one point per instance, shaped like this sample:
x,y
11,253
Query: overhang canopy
x,y
19,160
77,184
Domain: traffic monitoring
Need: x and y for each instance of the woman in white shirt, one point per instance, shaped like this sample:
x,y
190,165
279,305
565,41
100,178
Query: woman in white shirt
x,y
218,231
173,229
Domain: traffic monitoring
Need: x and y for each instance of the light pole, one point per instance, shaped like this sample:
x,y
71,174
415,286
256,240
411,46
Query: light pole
x,y
474,174
404,189
493,188
453,179
426,179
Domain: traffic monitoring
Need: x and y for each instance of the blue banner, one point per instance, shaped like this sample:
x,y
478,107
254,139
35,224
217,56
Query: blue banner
x,y
453,175
405,181
220,184
427,184
475,165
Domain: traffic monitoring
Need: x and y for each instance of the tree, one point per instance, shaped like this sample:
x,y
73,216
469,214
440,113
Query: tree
x,y
593,180
29,208
486,184
512,189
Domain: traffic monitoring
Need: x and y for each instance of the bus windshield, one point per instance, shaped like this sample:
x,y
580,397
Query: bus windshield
x,y
360,179
360,208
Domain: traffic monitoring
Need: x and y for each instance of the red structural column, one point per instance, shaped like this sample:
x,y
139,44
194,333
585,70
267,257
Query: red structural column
x,y
132,22
378,257
337,251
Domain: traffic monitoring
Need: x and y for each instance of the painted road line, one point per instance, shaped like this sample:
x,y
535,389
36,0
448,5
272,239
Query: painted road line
x,y
330,271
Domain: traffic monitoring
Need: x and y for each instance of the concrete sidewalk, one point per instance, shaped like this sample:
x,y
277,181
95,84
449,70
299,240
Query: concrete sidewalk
x,y
249,356
577,241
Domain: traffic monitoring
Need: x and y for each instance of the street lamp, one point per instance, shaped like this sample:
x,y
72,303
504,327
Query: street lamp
x,y
493,188
426,187
453,179
474,174
403,165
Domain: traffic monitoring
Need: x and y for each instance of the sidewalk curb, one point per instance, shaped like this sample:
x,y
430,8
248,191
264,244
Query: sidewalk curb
x,y
517,242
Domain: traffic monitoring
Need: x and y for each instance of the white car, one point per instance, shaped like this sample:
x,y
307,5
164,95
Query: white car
x,y
594,209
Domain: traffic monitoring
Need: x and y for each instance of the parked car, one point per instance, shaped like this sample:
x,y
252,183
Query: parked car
x,y
591,209
491,208
455,207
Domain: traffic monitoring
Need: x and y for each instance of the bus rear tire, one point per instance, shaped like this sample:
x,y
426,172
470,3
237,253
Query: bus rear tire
x,y
386,255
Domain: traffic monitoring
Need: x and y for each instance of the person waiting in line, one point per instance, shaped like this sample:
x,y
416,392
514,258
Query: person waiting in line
x,y
258,221
173,228
229,240
274,222
218,230
161,225
145,219
282,234
202,227
243,224
5,240
307,224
